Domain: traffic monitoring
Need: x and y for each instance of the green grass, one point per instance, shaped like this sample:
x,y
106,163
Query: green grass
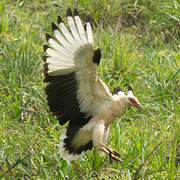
x,y
140,46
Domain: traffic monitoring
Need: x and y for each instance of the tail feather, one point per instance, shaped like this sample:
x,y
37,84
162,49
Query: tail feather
x,y
64,152
67,152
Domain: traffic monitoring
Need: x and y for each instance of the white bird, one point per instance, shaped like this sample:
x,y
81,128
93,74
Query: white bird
x,y
75,93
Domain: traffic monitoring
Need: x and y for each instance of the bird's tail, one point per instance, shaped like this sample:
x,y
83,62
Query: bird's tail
x,y
69,153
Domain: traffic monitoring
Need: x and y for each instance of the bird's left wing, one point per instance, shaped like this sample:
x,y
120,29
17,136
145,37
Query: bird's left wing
x,y
75,92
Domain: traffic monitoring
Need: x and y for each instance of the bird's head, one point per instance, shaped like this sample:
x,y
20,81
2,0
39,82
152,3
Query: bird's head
x,y
129,99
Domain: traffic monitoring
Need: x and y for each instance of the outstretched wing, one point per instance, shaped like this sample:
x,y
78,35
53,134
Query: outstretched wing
x,y
75,93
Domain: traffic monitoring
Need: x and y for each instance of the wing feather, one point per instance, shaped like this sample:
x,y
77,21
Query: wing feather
x,y
63,62
63,41
75,92
57,46
80,29
89,33
66,33
73,29
53,53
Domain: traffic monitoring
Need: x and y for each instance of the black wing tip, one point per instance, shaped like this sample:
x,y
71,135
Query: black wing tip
x,y
68,12
45,67
129,88
99,50
97,56
44,58
59,20
85,27
46,79
75,12
45,72
54,26
119,89
88,19
45,47
116,90
48,37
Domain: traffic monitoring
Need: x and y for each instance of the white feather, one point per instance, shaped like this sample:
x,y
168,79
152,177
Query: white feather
x,y
73,29
56,54
62,67
81,30
60,61
120,93
90,33
130,93
59,65
67,34
58,47
63,41
92,92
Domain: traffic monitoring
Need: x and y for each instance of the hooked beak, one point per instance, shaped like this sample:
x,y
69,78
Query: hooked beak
x,y
139,106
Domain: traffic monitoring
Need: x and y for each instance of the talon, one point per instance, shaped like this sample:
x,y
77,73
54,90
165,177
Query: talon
x,y
113,155
110,157
116,159
116,153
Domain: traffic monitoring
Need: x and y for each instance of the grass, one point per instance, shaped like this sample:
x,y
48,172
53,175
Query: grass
x,y
140,46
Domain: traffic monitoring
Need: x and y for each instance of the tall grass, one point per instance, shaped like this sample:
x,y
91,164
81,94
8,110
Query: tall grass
x,y
140,46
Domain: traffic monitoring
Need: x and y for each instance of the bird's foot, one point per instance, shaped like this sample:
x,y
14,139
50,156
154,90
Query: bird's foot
x,y
113,155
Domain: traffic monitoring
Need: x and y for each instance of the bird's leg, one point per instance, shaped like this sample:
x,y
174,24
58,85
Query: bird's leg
x,y
106,134
98,134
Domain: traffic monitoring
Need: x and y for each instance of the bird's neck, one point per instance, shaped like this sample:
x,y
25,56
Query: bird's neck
x,y
119,106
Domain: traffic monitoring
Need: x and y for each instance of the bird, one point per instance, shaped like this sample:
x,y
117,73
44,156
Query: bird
x,y
76,95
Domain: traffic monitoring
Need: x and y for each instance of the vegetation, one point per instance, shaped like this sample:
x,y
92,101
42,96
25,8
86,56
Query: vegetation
x,y
140,46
